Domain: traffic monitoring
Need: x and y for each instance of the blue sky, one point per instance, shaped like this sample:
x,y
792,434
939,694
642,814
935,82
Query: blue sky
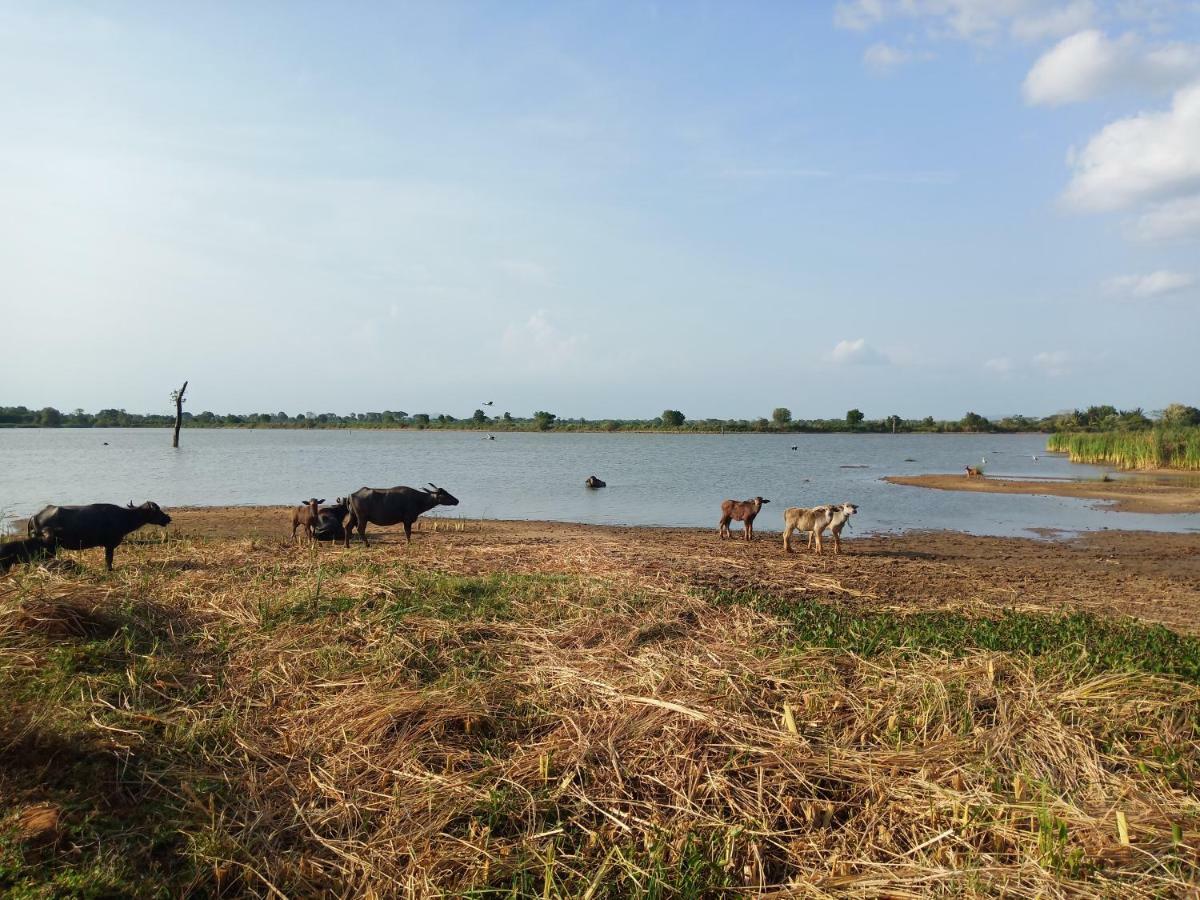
x,y
601,209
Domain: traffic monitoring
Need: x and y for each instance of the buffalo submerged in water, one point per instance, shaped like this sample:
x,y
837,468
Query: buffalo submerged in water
x,y
392,506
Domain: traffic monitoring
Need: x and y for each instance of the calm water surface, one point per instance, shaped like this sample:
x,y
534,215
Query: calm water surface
x,y
653,479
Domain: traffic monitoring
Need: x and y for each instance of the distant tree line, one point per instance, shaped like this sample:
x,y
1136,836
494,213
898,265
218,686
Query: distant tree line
x,y
1094,418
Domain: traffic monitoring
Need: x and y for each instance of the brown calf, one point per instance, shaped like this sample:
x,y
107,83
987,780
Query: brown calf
x,y
743,511
973,471
307,514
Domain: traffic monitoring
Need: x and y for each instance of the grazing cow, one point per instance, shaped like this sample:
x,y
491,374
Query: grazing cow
x,y
594,482
306,514
839,520
329,522
24,550
95,525
743,511
974,471
814,519
392,506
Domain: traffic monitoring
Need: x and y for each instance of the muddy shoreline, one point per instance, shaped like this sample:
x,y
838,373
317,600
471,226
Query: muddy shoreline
x,y
1150,576
1118,495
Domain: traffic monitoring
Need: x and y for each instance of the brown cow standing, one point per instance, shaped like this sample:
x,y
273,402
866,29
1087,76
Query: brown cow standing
x,y
307,514
743,511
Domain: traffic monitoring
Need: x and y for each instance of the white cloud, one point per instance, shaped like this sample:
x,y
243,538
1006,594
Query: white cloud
x,y
859,15
1054,22
1146,287
538,345
856,353
1090,64
1001,365
1053,363
1147,158
1153,14
883,57
974,20
1172,219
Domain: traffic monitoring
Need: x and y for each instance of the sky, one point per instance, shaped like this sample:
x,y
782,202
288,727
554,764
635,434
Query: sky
x,y
603,209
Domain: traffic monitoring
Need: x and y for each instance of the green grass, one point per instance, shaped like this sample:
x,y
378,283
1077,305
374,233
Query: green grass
x,y
416,591
1078,640
117,718
1160,448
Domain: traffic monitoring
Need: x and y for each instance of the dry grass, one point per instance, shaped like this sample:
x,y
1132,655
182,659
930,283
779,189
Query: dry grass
x,y
565,725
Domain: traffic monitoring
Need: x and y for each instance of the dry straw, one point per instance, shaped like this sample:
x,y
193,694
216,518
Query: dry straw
x,y
612,735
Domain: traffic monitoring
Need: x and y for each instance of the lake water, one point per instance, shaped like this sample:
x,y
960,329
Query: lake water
x,y
654,479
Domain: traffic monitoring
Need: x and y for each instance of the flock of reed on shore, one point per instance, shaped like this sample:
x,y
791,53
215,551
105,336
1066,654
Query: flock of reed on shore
x,y
1158,448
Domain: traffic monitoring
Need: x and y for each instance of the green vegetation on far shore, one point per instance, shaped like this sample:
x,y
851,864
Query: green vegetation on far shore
x,y
1095,418
1158,448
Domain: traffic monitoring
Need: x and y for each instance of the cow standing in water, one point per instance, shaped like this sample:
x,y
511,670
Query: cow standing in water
x,y
392,506
95,525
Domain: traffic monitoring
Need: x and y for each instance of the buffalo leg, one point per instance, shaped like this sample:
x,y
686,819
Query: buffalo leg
x,y
108,557
353,523
408,531
787,537
723,530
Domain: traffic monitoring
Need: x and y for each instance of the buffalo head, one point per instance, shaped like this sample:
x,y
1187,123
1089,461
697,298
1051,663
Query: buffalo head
x,y
443,496
153,513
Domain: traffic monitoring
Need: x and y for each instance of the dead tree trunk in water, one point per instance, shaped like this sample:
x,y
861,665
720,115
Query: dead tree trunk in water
x,y
177,396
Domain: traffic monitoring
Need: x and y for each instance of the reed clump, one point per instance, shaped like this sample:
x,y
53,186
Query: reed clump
x,y
258,719
1158,448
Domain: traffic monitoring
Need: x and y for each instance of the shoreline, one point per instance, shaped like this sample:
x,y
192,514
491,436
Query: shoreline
x,y
557,429
1116,495
1151,576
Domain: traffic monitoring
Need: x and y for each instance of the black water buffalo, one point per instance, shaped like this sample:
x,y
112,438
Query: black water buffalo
x,y
392,506
594,482
329,521
24,550
95,525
